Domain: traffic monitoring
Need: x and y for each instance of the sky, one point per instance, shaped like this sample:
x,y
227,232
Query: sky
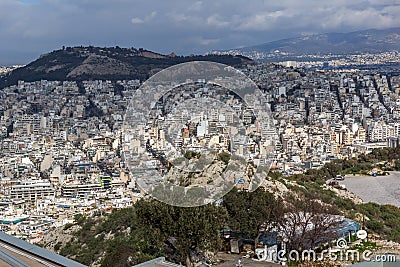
x,y
29,28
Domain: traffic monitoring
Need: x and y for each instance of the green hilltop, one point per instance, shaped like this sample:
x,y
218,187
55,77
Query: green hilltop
x,y
112,63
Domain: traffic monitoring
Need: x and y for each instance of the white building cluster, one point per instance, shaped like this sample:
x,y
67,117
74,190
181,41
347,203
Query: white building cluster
x,y
61,141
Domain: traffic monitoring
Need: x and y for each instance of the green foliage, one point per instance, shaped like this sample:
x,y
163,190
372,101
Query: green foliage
x,y
365,246
375,225
135,248
57,246
90,243
117,221
274,175
147,230
189,154
383,219
79,218
184,230
248,212
56,66
362,165
68,226
150,229
224,157
313,190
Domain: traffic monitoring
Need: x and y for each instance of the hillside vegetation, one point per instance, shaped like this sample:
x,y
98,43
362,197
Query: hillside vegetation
x,y
95,63
184,235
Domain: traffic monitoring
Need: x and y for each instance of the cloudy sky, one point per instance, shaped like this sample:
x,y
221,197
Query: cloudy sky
x,y
29,28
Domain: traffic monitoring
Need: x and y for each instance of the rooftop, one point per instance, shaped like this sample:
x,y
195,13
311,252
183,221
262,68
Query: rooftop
x,y
17,252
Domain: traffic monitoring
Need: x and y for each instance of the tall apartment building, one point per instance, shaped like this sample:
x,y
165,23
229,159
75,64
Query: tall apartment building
x,y
31,190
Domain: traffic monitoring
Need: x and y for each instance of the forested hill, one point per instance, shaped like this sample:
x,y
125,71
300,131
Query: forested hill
x,y
115,63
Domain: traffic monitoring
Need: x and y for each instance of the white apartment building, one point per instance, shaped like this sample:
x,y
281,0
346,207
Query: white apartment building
x,y
31,190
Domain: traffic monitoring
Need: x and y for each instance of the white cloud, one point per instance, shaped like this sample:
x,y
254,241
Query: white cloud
x,y
367,18
214,20
197,6
137,21
178,17
148,18
262,21
176,25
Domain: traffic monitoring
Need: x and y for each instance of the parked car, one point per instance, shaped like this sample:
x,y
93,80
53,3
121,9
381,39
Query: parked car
x,y
339,177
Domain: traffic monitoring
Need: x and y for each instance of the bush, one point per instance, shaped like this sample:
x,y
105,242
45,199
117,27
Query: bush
x,y
375,225
192,154
57,246
224,157
67,226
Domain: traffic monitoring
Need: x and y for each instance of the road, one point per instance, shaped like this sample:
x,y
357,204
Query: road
x,y
380,189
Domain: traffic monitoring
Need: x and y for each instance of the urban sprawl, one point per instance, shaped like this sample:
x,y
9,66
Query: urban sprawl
x,y
61,141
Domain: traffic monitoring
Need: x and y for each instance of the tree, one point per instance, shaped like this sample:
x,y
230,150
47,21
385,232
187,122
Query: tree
x,y
224,156
249,212
307,223
141,245
185,231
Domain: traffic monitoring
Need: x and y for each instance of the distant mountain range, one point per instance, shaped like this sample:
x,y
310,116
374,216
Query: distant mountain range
x,y
113,63
372,41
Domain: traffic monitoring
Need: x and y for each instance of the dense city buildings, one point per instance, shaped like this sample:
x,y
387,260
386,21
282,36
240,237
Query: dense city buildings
x,y
61,141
